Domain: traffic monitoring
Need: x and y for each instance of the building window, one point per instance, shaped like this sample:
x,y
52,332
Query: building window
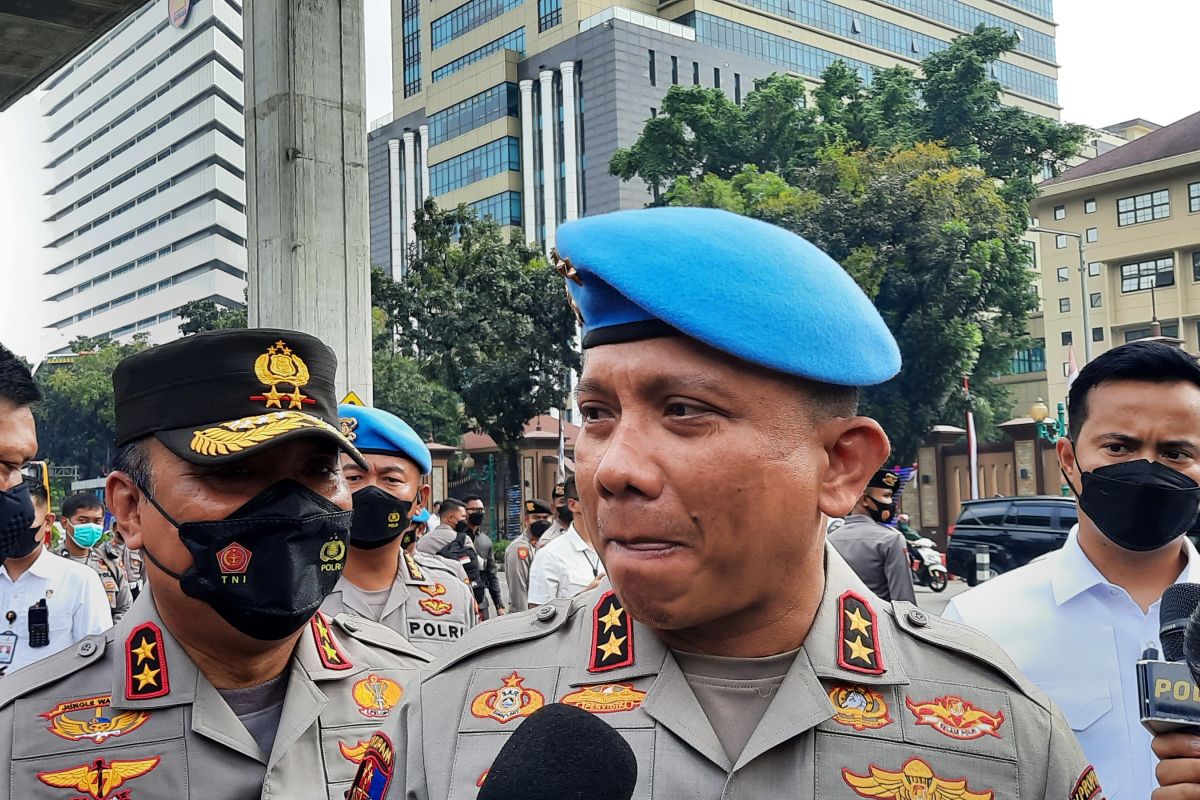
x,y
549,14
468,17
1170,329
1064,304
1143,208
504,208
1066,368
1194,197
1089,206
1094,299
653,112
1060,242
716,77
1097,334
695,73
1064,274
496,103
411,30
1092,235
674,70
1067,339
1031,360
514,40
1060,212
1196,265
1153,273
1094,269
737,88
483,162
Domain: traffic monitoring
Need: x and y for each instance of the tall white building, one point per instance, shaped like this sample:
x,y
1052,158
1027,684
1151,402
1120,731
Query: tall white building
x,y
146,177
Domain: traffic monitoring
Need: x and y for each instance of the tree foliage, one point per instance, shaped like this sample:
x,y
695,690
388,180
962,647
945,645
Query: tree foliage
x,y
484,318
918,185
206,315
75,419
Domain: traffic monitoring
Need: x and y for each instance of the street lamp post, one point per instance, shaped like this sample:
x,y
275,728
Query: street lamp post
x,y
1083,292
1048,430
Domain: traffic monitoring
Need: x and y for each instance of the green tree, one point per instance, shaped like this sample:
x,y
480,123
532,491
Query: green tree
x,y
484,318
206,315
76,423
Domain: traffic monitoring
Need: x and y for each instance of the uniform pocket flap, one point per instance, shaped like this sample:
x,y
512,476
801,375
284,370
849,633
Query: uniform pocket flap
x,y
1082,703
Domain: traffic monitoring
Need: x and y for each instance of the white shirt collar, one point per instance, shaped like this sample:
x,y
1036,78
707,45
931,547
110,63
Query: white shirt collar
x,y
1075,573
576,540
46,565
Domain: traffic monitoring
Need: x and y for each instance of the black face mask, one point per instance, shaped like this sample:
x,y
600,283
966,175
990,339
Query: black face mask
x,y
475,518
409,537
536,529
462,526
1139,505
882,512
17,536
266,567
565,515
378,518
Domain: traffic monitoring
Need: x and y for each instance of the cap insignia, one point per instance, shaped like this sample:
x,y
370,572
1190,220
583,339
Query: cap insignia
x,y
891,479
564,267
279,365
858,636
349,428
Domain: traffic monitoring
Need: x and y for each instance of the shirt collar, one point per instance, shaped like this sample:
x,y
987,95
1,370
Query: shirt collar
x,y
576,540
44,566
1074,572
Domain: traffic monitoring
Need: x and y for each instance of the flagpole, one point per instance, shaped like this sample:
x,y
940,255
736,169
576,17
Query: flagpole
x,y
972,443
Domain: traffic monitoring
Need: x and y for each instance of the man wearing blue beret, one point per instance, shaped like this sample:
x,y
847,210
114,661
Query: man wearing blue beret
x,y
383,579
723,360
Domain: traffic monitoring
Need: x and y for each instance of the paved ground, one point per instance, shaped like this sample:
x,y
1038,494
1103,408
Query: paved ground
x,y
937,602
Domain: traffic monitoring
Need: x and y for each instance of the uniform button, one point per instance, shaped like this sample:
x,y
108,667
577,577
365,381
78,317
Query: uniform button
x,y
86,648
918,617
352,627
546,613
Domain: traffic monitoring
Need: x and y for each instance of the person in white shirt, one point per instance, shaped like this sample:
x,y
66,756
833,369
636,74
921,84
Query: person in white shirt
x,y
71,593
1077,621
569,564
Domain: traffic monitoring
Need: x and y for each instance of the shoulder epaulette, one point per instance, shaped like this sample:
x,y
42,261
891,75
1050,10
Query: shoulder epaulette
x,y
967,642
508,629
377,634
53,668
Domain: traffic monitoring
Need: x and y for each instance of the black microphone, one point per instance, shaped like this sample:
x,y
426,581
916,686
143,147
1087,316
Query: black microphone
x,y
562,753
1168,693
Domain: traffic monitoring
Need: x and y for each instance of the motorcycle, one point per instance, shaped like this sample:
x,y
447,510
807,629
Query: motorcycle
x,y
927,566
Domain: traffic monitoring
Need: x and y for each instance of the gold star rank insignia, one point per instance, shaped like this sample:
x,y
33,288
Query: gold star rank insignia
x,y
331,655
612,635
858,645
145,664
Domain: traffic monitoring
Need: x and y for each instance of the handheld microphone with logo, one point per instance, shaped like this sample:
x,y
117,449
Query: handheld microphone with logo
x,y
562,752
1168,693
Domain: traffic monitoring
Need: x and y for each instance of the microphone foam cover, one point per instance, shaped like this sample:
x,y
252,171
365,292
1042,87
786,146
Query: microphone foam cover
x,y
562,753
1178,603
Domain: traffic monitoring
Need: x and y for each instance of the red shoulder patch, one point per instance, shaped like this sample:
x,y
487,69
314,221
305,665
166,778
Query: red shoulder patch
x,y
331,654
858,639
145,664
612,635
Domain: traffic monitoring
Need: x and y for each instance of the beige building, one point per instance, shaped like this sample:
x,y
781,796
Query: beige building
x,y
493,96
1137,209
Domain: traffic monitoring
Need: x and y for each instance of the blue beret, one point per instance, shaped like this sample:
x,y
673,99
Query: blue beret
x,y
422,516
739,285
373,430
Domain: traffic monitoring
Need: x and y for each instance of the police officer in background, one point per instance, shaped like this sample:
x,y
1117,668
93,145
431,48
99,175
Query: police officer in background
x,y
382,580
737,667
562,516
876,552
83,523
518,558
223,680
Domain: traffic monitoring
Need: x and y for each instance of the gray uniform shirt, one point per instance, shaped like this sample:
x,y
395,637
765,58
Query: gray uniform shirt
x,y
129,710
106,561
518,558
878,555
881,701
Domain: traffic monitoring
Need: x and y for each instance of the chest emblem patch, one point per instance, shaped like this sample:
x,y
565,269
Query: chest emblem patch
x,y
439,608
511,701
1087,787
954,717
436,590
374,770
606,698
99,779
91,719
376,696
914,781
859,707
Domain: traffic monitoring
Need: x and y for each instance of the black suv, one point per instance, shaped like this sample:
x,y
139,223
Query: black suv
x,y
1015,530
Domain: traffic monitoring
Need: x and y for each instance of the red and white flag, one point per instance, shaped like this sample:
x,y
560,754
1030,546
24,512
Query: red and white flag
x,y
1072,368
972,443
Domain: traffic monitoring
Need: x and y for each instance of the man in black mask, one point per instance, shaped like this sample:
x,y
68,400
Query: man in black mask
x,y
518,558
875,551
562,516
489,577
416,595
1077,621
223,673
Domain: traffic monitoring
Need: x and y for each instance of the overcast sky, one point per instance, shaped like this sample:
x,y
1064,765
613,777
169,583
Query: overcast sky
x,y
1119,60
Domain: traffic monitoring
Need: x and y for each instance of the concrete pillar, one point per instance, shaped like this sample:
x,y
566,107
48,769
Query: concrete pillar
x,y
528,166
549,166
570,158
410,188
396,217
306,177
424,133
